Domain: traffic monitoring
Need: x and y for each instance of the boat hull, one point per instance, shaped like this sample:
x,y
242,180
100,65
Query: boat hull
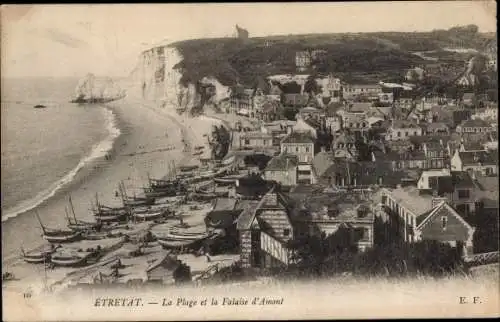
x,y
63,238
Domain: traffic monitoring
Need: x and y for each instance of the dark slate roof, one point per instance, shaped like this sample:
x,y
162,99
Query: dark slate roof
x,y
475,123
322,161
282,162
298,137
461,115
224,204
366,173
462,179
487,183
396,156
483,157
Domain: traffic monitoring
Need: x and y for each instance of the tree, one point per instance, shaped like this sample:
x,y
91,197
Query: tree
x,y
311,86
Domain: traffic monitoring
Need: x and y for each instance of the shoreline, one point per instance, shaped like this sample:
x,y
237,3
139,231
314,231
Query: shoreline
x,y
133,153
99,150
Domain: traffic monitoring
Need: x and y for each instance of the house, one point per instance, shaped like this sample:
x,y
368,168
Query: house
x,y
486,114
282,169
304,126
241,100
354,121
345,173
402,130
300,144
344,146
278,129
165,269
474,126
344,219
398,160
331,87
413,217
368,91
269,111
311,112
255,140
295,100
303,60
460,116
386,98
468,98
424,183
436,128
483,162
457,187
264,230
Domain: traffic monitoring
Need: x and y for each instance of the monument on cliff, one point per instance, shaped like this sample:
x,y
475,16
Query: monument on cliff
x,y
241,33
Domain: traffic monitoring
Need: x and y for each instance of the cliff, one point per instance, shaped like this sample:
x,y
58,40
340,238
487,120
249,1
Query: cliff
x,y
193,74
159,77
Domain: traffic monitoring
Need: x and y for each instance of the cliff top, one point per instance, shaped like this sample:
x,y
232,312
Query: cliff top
x,y
350,55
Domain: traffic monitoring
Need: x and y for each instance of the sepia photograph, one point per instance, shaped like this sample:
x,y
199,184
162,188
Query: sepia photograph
x,y
247,161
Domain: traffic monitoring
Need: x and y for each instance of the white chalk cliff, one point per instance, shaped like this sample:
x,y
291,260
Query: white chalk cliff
x,y
157,78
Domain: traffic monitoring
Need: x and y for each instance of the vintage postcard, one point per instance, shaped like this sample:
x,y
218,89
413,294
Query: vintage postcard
x,y
249,161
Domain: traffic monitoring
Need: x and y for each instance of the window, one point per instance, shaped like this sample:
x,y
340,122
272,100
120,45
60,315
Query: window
x,y
296,149
307,149
284,149
286,232
444,222
350,125
415,133
399,134
463,194
265,142
247,142
363,124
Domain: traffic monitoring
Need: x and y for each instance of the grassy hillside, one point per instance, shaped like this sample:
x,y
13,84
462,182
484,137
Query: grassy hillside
x,y
356,56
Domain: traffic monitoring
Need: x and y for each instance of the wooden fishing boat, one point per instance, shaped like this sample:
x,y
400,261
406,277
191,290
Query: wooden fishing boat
x,y
69,258
79,225
129,202
37,256
225,181
148,216
188,168
58,235
164,192
199,147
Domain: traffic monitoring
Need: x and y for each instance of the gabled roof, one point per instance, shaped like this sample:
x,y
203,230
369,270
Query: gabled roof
x,y
247,216
426,217
282,162
398,124
298,137
321,162
483,157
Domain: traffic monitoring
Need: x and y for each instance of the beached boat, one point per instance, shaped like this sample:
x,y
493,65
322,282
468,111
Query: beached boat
x,y
148,216
69,258
187,168
37,256
39,106
79,225
171,191
58,235
130,202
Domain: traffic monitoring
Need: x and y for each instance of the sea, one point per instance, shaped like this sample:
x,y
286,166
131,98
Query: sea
x,y
43,149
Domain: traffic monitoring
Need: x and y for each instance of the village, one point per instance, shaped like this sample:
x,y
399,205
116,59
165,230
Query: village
x,y
307,168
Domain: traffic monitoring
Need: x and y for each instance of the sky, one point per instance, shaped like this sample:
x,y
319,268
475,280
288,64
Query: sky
x,y
73,40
